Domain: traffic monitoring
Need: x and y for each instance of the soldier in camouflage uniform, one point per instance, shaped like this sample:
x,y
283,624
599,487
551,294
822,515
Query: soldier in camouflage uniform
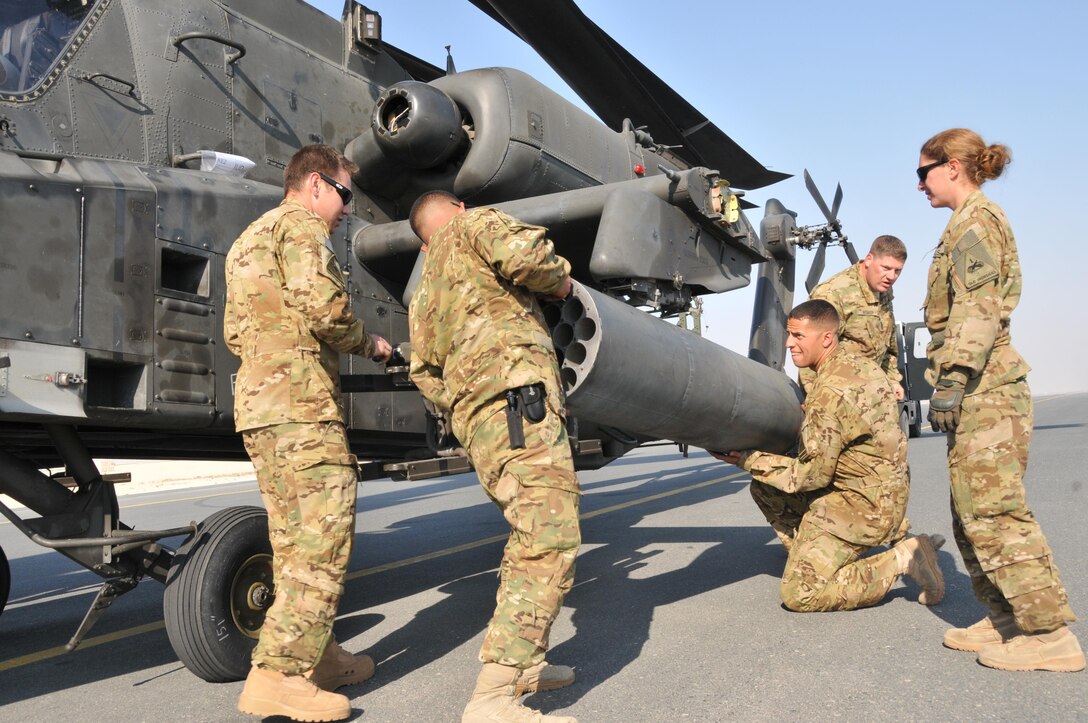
x,y
846,491
478,334
288,316
862,295
982,401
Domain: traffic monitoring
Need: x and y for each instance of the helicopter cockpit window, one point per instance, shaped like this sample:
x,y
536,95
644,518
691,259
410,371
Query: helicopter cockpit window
x,y
33,36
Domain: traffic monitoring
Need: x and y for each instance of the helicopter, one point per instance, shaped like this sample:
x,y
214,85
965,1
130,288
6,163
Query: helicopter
x,y
138,138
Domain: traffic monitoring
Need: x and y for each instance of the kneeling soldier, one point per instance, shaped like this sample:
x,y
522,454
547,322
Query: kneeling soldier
x,y
846,491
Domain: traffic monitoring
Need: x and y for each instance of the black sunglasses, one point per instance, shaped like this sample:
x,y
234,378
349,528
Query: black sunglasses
x,y
923,172
343,191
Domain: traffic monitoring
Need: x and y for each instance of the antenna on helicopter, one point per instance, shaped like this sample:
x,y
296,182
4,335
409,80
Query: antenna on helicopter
x,y
820,236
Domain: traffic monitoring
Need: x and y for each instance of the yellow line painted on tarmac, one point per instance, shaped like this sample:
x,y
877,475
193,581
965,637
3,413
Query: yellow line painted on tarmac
x,y
88,643
190,499
176,499
423,558
149,627
500,538
662,495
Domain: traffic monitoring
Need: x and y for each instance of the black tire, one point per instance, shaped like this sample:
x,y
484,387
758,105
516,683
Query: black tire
x,y
904,421
5,580
217,592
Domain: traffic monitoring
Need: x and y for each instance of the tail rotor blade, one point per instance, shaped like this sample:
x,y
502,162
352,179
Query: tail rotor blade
x,y
815,192
850,252
836,202
817,268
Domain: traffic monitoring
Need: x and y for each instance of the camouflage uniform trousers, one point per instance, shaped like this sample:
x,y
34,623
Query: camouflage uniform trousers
x,y
783,511
823,571
1003,547
538,493
308,480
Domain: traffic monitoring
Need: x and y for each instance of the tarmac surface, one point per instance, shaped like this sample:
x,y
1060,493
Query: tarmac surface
x,y
675,615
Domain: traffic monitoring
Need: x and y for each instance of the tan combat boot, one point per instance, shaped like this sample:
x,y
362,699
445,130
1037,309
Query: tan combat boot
x,y
917,556
1058,651
544,677
494,700
270,692
993,629
338,668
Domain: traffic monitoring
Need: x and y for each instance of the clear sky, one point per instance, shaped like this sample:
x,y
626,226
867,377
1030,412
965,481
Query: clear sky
x,y
850,90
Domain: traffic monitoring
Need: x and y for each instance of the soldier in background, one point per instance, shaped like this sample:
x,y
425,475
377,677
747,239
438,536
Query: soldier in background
x,y
846,491
288,316
981,399
482,354
862,295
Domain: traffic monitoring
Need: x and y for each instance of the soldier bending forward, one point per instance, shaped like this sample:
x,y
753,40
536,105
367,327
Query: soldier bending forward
x,y
862,296
481,353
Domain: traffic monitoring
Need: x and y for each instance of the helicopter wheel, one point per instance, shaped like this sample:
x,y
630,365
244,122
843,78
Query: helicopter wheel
x,y
217,593
5,580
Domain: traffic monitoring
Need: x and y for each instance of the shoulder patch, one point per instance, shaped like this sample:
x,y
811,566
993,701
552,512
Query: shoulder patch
x,y
979,268
972,261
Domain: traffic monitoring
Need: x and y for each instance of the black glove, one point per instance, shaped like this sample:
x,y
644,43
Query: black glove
x,y
944,406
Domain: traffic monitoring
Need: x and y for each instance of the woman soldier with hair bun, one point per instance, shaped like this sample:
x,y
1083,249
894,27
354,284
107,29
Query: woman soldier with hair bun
x,y
982,401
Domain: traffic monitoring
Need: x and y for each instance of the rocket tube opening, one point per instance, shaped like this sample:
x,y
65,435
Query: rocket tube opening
x,y
569,377
585,329
553,314
576,353
573,310
562,336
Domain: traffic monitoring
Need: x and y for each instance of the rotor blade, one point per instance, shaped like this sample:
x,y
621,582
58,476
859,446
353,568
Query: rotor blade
x,y
616,86
815,193
837,201
850,252
816,269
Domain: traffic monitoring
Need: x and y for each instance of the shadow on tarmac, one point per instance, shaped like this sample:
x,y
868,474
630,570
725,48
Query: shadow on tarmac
x,y
612,610
612,626
468,579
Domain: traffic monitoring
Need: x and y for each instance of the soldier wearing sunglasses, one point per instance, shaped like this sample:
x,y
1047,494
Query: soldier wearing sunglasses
x,y
982,401
288,316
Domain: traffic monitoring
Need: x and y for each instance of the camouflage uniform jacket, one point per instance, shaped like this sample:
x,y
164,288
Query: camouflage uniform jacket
x,y
475,323
974,284
868,324
287,316
852,445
